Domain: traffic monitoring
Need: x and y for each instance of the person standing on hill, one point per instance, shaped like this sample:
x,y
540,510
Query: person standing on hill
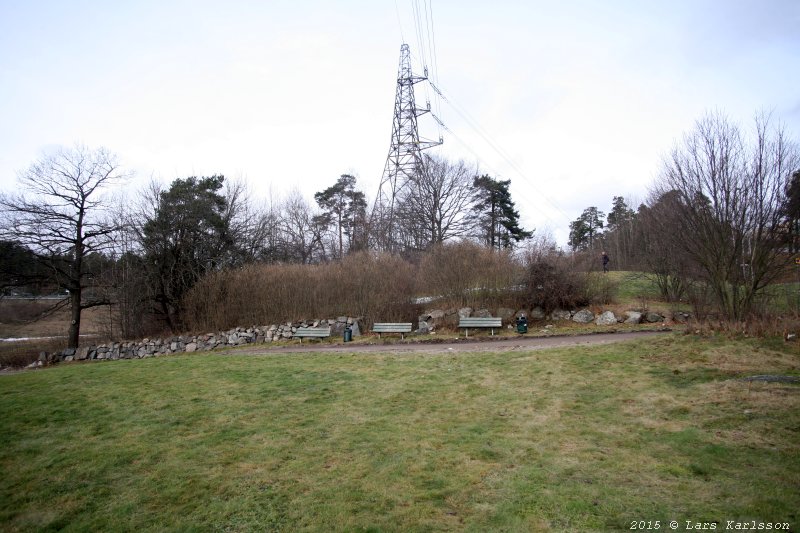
x,y
605,262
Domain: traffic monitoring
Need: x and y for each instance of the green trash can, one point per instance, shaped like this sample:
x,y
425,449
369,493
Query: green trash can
x,y
348,334
522,325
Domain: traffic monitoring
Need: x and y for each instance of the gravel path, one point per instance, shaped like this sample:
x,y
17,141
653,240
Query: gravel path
x,y
482,344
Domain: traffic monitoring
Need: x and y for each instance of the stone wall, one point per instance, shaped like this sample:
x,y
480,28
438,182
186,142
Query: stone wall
x,y
193,343
434,319
428,322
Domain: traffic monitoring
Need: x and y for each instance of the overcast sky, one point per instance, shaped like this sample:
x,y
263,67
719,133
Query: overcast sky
x,y
581,98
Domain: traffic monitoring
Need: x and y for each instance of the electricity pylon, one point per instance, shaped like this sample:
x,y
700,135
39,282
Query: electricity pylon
x,y
404,162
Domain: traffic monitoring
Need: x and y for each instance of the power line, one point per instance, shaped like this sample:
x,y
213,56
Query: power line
x,y
483,162
425,37
487,138
420,34
432,49
399,23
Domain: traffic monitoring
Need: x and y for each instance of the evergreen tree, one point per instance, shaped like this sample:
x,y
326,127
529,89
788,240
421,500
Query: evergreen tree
x,y
620,213
586,228
346,207
187,235
498,221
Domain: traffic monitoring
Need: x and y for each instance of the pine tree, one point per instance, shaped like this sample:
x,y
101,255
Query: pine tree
x,y
343,205
586,228
498,221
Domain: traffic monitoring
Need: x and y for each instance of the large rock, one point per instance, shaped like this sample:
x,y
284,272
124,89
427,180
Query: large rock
x,y
537,313
465,312
337,328
355,328
584,316
607,318
451,317
560,314
482,313
681,317
82,353
505,313
191,347
633,317
436,314
425,323
434,317
653,317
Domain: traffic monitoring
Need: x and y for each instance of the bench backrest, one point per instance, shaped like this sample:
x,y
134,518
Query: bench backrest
x,y
313,332
475,322
391,327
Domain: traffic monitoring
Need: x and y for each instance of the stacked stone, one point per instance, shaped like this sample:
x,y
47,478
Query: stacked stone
x,y
432,319
192,343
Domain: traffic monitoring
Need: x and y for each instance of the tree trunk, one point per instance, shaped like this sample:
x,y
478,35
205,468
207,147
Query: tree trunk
x,y
75,318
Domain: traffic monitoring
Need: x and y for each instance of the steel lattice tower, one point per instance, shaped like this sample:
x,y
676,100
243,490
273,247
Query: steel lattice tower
x,y
404,162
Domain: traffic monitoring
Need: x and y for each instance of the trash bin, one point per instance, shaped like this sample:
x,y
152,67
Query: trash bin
x,y
348,334
522,324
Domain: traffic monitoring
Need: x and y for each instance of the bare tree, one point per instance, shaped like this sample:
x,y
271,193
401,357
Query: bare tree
x,y
433,206
251,225
63,219
659,235
301,231
729,187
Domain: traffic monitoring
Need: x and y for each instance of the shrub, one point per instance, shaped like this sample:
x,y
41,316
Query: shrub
x,y
550,283
555,280
468,274
371,285
18,354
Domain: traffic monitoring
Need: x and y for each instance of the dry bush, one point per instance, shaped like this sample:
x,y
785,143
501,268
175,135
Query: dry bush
x,y
375,286
599,288
556,280
551,283
469,274
18,354
370,285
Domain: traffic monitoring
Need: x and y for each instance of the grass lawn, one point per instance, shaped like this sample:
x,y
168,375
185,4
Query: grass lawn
x,y
577,439
632,286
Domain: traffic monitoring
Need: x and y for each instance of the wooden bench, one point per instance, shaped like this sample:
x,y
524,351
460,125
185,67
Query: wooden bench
x,y
490,322
392,327
318,333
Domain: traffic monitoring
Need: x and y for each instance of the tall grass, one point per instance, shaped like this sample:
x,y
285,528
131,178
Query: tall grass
x,y
371,285
376,286
467,274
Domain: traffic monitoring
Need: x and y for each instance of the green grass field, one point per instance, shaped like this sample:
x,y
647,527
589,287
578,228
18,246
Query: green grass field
x,y
578,439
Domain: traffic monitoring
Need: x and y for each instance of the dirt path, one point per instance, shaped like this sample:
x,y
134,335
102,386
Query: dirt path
x,y
481,344
461,345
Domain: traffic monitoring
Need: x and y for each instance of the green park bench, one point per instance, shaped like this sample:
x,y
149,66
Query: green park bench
x,y
318,333
392,327
490,322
